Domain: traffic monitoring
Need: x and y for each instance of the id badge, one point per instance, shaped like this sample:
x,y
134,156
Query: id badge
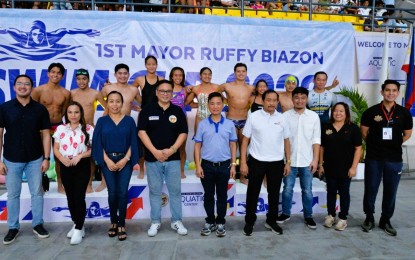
x,y
387,133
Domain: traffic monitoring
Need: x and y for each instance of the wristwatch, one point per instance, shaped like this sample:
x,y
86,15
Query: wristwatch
x,y
46,158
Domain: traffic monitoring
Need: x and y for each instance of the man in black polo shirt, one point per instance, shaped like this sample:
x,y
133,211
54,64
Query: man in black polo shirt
x,y
162,128
385,127
26,148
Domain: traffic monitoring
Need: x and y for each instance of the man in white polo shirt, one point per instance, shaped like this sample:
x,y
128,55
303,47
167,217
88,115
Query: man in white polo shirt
x,y
305,141
268,134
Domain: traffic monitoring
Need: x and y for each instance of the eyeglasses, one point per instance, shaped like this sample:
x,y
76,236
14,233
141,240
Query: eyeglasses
x,y
23,84
290,81
165,92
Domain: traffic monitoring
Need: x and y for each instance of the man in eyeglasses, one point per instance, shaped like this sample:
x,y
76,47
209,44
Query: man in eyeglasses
x,y
24,150
162,128
89,99
55,98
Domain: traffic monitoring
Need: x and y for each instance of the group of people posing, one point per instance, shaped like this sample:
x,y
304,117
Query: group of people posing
x,y
303,140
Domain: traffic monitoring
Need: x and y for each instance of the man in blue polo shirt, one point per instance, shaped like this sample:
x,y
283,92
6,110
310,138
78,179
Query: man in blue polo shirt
x,y
216,146
26,148
162,128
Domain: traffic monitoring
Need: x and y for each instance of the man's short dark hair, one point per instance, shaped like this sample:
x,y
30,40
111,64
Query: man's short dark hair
x,y
300,90
59,66
164,81
23,76
267,92
215,94
391,81
121,66
320,72
240,65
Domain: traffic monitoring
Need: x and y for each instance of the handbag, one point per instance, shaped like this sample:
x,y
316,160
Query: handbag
x,y
45,182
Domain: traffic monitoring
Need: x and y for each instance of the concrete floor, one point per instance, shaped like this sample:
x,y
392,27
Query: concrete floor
x,y
297,242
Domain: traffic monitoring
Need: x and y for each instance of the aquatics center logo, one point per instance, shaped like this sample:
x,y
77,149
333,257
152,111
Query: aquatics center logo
x,y
37,44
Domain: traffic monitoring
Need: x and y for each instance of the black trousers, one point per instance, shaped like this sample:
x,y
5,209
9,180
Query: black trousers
x,y
75,181
216,179
342,187
257,170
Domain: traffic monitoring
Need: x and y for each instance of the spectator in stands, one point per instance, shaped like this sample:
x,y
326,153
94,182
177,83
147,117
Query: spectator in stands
x,y
274,5
390,23
62,5
305,6
288,6
72,147
403,25
364,11
350,7
215,157
367,24
26,148
390,6
115,148
225,3
380,10
335,8
340,152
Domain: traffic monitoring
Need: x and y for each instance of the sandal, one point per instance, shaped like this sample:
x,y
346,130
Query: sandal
x,y
122,235
112,231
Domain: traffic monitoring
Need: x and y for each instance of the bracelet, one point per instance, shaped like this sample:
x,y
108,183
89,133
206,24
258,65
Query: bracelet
x,y
288,161
127,158
174,149
233,164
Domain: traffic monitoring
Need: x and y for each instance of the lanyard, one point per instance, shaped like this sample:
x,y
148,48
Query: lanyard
x,y
388,117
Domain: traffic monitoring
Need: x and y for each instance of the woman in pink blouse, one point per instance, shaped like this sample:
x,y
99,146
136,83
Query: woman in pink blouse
x,y
73,149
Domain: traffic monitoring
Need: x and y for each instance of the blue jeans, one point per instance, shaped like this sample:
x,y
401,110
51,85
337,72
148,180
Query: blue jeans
x,y
216,178
157,173
306,180
14,188
117,185
391,173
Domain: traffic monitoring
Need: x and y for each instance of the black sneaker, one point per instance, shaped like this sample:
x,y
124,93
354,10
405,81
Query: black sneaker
x,y
11,236
40,231
274,227
221,230
248,230
310,223
207,229
282,218
369,224
387,227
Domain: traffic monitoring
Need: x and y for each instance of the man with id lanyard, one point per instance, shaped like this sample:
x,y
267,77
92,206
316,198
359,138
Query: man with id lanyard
x,y
384,127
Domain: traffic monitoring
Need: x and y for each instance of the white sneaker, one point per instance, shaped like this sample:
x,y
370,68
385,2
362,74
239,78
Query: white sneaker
x,y
329,221
152,231
178,226
76,237
341,224
70,233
